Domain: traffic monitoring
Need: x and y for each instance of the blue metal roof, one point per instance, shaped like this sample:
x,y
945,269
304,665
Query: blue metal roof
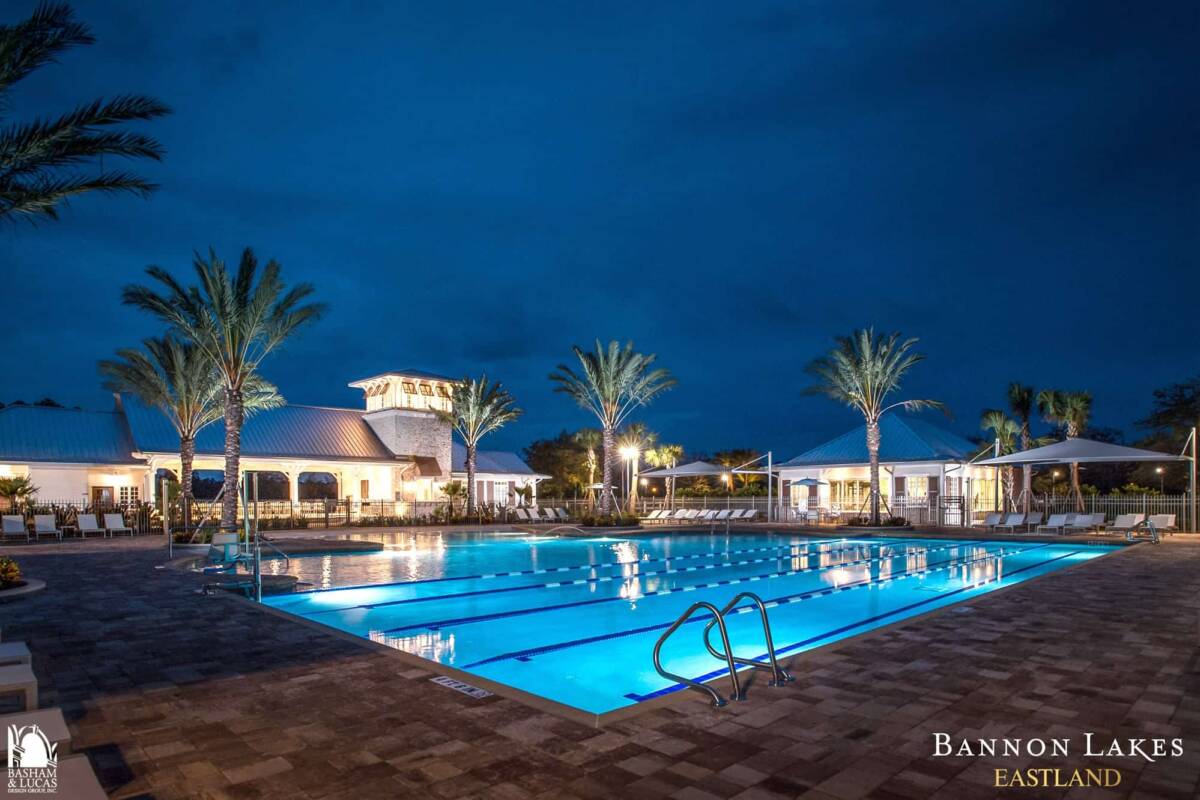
x,y
901,439
289,432
489,461
40,433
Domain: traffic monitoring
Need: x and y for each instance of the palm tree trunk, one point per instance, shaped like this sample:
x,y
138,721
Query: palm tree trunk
x,y
1076,488
234,415
1027,469
873,439
633,491
187,455
606,495
470,479
671,490
1010,479
591,492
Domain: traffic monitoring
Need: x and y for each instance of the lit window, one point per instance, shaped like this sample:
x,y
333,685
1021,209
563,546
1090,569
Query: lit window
x,y
409,387
129,494
443,392
426,390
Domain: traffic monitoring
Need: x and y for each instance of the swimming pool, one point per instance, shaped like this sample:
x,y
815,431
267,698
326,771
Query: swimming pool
x,y
575,619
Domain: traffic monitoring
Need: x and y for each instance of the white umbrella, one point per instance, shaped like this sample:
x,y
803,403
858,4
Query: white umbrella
x,y
1080,451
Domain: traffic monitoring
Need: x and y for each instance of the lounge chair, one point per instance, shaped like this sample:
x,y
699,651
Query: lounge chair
x,y
654,516
14,526
1127,523
749,515
1011,522
723,514
115,523
520,514
992,520
563,516
86,524
1165,523
711,514
1085,522
1033,519
43,525
1056,523
682,514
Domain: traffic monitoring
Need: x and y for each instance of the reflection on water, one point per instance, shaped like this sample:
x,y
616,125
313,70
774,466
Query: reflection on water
x,y
433,645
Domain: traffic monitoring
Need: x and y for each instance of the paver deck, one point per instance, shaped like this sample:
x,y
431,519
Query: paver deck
x,y
171,694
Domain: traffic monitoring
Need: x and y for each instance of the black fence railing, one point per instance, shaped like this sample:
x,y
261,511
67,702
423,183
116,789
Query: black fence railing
x,y
140,517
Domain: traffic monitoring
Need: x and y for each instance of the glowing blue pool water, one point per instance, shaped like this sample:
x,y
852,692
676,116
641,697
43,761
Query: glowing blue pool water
x,y
575,619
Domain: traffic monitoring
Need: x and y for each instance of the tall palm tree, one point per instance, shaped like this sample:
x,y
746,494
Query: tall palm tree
x,y
613,382
861,372
1020,404
179,379
666,456
34,155
1004,430
479,407
236,320
1071,412
635,438
590,439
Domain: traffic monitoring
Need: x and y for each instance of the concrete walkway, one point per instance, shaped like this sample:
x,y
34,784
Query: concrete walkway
x,y
171,694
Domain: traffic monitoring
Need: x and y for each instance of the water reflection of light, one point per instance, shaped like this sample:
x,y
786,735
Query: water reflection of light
x,y
326,571
432,645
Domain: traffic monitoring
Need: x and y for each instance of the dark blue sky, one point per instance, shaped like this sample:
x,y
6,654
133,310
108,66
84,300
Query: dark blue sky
x,y
478,186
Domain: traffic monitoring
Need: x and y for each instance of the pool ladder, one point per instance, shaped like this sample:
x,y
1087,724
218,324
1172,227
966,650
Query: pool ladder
x,y
779,676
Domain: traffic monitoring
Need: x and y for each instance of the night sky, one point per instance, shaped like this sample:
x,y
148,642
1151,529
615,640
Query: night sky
x,y
478,186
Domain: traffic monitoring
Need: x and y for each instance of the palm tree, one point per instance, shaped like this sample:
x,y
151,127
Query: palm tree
x,y
34,154
1070,411
180,380
666,456
861,372
614,381
236,321
1005,431
1020,403
589,439
478,408
454,491
16,488
637,438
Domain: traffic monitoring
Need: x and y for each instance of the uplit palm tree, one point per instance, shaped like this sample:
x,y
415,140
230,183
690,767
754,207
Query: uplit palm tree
x,y
479,408
635,440
861,372
590,439
36,157
1070,411
1020,403
237,321
16,489
1005,431
614,381
666,456
179,379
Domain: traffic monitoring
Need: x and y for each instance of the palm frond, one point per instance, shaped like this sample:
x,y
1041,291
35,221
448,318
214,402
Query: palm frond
x,y
38,41
42,196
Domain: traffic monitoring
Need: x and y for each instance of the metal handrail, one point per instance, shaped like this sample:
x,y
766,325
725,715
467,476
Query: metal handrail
x,y
264,540
779,676
1146,525
718,701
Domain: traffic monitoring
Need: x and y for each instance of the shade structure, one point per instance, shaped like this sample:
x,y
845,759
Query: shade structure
x,y
809,482
1080,451
693,469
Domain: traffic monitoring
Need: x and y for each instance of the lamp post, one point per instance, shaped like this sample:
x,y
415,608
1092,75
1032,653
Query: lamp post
x,y
1159,471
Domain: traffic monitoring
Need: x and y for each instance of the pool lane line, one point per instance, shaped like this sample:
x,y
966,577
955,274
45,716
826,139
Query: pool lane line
x,y
609,564
434,624
638,575
842,629
775,601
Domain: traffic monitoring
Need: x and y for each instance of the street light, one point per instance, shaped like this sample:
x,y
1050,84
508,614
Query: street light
x,y
1159,471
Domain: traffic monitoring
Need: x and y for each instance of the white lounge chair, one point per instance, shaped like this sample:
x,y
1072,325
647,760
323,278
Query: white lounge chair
x,y
723,514
1126,523
43,525
681,514
86,523
711,514
749,515
520,515
14,526
1012,522
1085,522
115,523
992,520
563,516
1056,523
1164,523
1033,519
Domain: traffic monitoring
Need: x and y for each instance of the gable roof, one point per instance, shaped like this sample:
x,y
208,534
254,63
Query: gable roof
x,y
292,431
901,439
490,461
407,373
40,433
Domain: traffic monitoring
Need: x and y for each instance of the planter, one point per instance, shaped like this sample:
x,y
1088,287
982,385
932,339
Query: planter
x,y
23,589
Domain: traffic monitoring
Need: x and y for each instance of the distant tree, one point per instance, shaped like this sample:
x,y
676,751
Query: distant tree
x,y
591,440
666,456
1020,404
736,458
1005,431
455,492
636,437
862,371
36,158
48,402
478,407
563,458
1071,412
1175,411
612,382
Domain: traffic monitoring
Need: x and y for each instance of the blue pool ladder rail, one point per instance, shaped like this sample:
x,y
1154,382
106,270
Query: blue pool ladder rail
x,y
779,676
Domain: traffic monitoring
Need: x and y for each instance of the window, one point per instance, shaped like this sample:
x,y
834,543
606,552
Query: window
x,y
443,392
129,494
409,387
364,489
103,495
426,390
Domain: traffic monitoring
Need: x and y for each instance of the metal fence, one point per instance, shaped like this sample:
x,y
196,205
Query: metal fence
x,y
140,517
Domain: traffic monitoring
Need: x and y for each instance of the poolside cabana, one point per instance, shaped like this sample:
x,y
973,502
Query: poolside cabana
x,y
1089,451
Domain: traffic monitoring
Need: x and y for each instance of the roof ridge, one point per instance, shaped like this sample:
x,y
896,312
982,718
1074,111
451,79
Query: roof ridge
x,y
11,406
